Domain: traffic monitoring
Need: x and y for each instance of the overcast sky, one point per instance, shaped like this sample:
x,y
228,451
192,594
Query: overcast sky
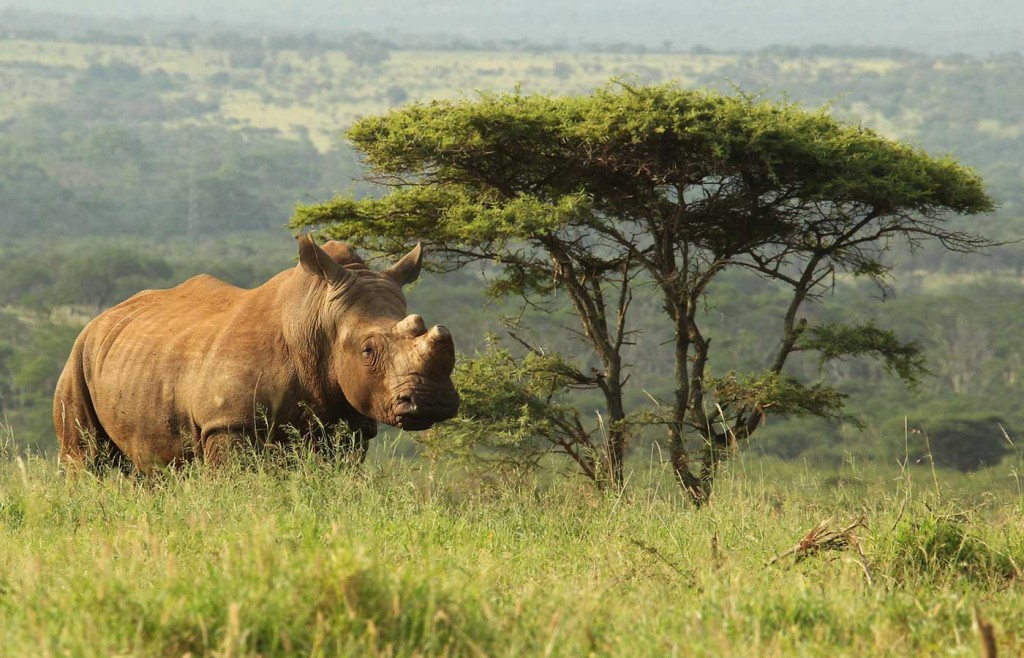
x,y
937,26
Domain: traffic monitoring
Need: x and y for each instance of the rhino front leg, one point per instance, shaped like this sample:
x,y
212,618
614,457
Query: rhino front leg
x,y
358,439
221,447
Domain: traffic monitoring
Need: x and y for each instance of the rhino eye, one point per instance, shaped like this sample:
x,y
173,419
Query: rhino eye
x,y
368,352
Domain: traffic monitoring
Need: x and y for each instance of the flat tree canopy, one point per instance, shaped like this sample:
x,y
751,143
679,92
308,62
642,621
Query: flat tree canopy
x,y
587,193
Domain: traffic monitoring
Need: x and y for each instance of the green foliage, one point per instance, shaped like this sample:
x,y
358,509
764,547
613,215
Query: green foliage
x,y
530,168
514,411
808,440
966,434
632,151
446,215
61,173
935,546
364,50
838,341
776,394
36,365
104,276
971,335
965,443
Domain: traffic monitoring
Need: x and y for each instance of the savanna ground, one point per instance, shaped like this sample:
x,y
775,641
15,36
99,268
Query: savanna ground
x,y
409,558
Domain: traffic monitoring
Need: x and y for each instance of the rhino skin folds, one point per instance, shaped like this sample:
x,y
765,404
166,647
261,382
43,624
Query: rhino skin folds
x,y
173,375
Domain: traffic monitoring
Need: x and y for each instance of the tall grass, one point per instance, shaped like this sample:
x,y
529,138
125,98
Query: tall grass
x,y
407,558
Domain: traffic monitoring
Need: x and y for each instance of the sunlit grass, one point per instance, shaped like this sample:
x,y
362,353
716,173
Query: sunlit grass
x,y
407,558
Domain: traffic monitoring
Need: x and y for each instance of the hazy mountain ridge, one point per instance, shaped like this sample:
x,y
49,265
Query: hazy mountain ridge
x,y
931,26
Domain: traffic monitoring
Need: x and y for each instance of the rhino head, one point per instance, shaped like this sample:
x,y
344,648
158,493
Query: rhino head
x,y
388,364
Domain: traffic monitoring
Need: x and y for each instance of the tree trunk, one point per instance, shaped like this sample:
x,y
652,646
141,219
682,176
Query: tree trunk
x,y
617,433
616,455
680,406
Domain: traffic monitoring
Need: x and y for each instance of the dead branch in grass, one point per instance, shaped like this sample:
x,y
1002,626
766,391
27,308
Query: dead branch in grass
x,y
820,538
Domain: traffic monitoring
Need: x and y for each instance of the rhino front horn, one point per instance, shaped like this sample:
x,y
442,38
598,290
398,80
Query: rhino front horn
x,y
439,333
437,350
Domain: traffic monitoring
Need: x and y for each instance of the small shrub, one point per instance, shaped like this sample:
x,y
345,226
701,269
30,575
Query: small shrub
x,y
940,544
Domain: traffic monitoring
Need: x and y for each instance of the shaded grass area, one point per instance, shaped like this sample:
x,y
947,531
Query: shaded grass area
x,y
404,558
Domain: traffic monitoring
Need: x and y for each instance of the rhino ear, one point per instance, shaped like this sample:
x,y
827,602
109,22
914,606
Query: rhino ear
x,y
407,270
315,261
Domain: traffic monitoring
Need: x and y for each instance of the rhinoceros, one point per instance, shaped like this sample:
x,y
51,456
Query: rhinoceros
x,y
190,373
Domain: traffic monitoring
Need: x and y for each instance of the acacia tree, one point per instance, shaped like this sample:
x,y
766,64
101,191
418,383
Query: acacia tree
x,y
584,194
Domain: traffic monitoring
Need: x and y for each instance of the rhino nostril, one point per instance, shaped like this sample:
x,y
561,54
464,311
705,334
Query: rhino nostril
x,y
405,405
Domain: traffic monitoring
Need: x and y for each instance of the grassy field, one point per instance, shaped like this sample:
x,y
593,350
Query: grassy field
x,y
407,558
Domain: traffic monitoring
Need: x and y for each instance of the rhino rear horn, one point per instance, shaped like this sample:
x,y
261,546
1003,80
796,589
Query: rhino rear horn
x,y
407,270
316,261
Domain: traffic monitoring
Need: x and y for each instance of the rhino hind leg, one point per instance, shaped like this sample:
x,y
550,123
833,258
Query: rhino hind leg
x,y
83,442
94,450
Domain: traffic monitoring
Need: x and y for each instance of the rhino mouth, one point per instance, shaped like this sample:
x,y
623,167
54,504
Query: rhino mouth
x,y
414,411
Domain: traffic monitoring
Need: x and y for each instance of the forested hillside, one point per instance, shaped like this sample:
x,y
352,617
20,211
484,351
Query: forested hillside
x,y
135,161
